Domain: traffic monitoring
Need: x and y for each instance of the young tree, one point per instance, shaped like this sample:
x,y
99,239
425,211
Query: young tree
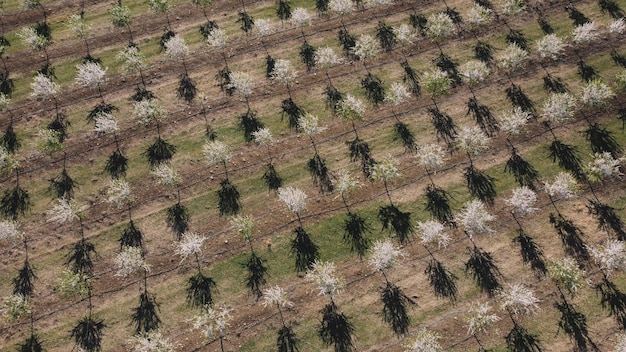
x,y
176,49
217,152
473,141
480,319
263,137
355,226
213,322
286,340
326,58
352,109
441,280
149,111
431,157
121,17
302,246
309,125
257,271
516,300
397,94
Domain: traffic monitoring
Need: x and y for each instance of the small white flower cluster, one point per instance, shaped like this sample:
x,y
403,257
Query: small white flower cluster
x,y
550,46
275,296
15,306
294,198
522,200
604,165
49,140
384,255
159,5
351,108
73,284
8,161
341,7
264,27
559,107
475,218
148,111
404,34
374,3
166,175
479,15
217,38
474,71
176,48
244,225
65,211
216,152
130,261
596,94
512,122
120,15
433,232
90,74
480,318
345,183
566,274
386,169
365,47
4,101
119,193
189,244
32,39
10,230
513,7
472,140
309,124
436,82
326,57
585,33
79,26
440,25
324,275
618,26
425,341
283,72
398,93
241,82
518,299
212,321
512,57
263,137
430,156
151,341
43,86
132,59
300,17
105,122
563,186
610,256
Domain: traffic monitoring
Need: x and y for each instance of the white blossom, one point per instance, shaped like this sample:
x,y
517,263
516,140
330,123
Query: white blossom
x,y
386,169
217,38
344,183
294,198
65,211
4,101
474,71
604,165
119,193
585,33
264,27
283,72
159,5
324,275
216,152
374,3
49,140
105,123
365,47
440,25
212,321
190,244
397,94
472,140
550,46
241,82
244,225
10,230
15,306
263,137
404,34
618,26
563,186
620,346
43,86
559,107
32,39
341,7
8,161
512,122
512,57
566,274
90,74
130,261
176,48
132,59
148,111
432,231
480,318
513,7
327,57
120,15
436,82
79,26
596,94
475,218
151,341
73,284
425,341
166,175
610,256
275,296
518,299
384,255
479,15
522,200
431,156
300,17
351,108
309,124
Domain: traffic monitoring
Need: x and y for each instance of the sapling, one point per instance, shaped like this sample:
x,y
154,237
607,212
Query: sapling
x,y
287,340
217,152
352,109
263,137
355,226
480,319
257,271
302,246
387,170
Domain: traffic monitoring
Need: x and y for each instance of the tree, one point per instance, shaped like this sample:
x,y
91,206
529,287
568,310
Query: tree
x,y
215,153
302,246
286,340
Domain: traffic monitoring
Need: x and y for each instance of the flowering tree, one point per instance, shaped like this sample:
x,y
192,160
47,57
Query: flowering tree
x,y
364,48
177,215
257,271
431,157
201,289
176,49
473,141
263,137
301,17
397,94
437,83
355,226
480,319
82,29
218,39
217,152
213,323
475,72
342,8
309,125
121,17
302,246
424,341
517,300
284,73
326,58
150,111
286,340
241,84
352,109
441,280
